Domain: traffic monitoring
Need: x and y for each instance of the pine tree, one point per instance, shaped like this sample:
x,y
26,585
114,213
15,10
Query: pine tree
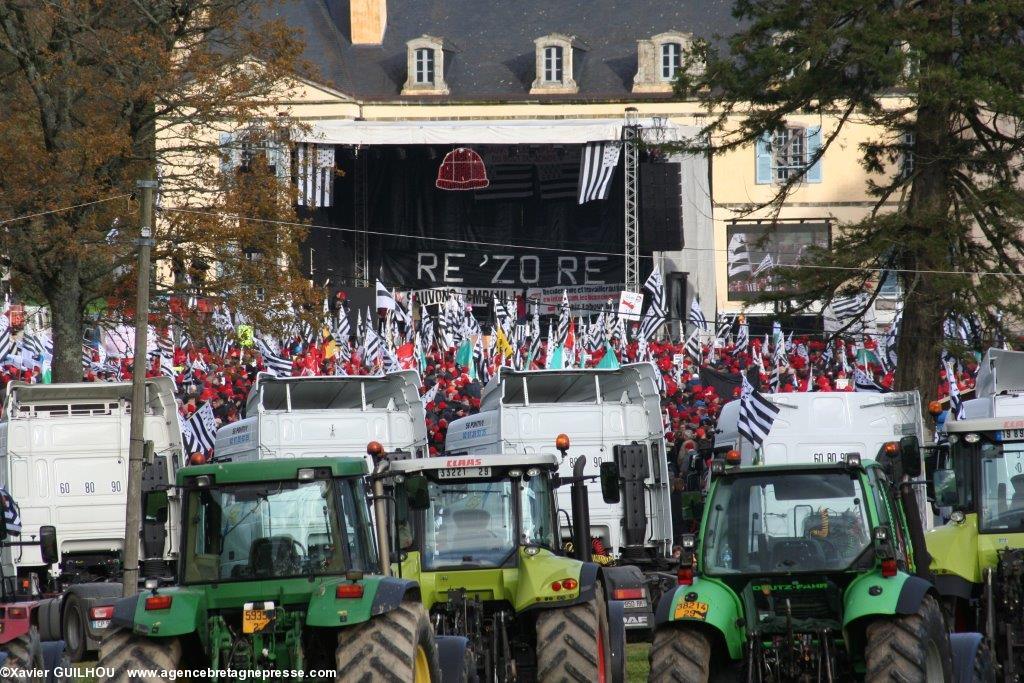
x,y
943,83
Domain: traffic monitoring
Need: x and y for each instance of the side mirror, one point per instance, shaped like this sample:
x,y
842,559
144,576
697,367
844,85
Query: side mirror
x,y
48,544
910,454
610,482
945,488
416,492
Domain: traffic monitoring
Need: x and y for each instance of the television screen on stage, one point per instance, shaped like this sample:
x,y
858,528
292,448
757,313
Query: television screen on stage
x,y
756,249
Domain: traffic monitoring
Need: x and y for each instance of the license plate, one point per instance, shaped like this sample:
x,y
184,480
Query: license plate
x,y
464,472
1011,434
103,623
691,610
255,620
634,604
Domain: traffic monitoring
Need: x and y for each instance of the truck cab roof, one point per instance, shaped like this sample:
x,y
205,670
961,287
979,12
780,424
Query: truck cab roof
x,y
544,460
272,470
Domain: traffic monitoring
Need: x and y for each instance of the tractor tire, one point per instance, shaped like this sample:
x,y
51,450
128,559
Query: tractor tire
x,y
396,646
122,650
984,667
573,644
24,659
73,624
909,649
679,655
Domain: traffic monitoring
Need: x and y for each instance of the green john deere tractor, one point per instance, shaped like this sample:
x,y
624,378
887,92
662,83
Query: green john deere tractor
x,y
278,571
480,534
809,572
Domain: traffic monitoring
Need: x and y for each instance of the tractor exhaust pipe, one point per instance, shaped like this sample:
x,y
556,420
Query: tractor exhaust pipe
x,y
380,506
580,513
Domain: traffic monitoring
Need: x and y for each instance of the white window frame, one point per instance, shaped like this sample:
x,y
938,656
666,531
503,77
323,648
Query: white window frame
x,y
789,152
425,66
554,64
907,155
671,61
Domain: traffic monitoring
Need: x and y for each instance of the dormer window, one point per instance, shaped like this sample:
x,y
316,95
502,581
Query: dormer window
x,y
554,65
425,67
659,61
671,60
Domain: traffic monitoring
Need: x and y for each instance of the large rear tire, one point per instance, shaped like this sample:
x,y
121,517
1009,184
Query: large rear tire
x,y
74,627
572,643
24,658
679,655
122,650
909,649
396,646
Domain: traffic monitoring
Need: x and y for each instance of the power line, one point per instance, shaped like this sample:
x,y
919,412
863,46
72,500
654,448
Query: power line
x,y
584,252
66,208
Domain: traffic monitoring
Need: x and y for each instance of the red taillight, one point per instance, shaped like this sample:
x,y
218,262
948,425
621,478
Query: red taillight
x,y
158,602
556,586
570,584
349,590
17,612
889,568
684,577
628,594
98,613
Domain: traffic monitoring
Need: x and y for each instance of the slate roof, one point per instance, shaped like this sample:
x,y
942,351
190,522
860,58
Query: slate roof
x,y
492,43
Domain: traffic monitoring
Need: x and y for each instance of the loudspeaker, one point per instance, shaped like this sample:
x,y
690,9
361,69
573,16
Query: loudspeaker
x,y
661,210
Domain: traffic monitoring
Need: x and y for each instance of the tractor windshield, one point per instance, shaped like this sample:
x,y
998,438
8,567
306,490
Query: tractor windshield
x,y
469,524
784,523
1002,485
276,530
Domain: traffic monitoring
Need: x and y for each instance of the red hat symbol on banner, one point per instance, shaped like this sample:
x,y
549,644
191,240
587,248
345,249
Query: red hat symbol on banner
x,y
462,169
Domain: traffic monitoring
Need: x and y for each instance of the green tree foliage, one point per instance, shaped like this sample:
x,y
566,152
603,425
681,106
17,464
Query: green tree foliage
x,y
943,82
95,95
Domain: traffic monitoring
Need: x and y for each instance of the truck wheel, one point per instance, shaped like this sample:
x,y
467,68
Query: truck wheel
x,y
909,649
572,642
679,655
396,646
73,625
122,650
24,655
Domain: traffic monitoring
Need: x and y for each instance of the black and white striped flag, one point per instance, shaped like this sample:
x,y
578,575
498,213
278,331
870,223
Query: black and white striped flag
x,y
692,346
696,316
11,512
7,345
275,364
597,166
315,175
775,381
738,257
757,414
372,347
203,428
563,319
743,337
862,382
654,318
384,297
956,404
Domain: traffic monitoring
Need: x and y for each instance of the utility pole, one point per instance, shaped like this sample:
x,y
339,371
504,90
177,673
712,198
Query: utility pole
x,y
136,440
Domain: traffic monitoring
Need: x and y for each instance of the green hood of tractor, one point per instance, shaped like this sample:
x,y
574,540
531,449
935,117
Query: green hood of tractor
x,y
527,584
191,605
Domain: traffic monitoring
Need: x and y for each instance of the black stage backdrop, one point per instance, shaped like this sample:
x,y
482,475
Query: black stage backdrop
x,y
522,231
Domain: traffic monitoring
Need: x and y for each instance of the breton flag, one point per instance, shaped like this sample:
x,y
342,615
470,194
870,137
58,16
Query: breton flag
x,y
276,365
775,382
862,382
654,318
696,316
743,336
7,345
692,346
766,264
738,257
757,414
563,319
596,170
315,175
956,404
384,297
203,427
12,514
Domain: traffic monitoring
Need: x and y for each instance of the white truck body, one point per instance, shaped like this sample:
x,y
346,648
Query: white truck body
x,y
521,412
999,388
297,417
64,458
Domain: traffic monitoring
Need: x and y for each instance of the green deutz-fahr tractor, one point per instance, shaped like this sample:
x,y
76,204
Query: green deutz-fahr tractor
x,y
480,534
278,571
809,572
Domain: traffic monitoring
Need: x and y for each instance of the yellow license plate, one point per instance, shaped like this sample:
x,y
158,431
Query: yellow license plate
x,y
691,610
255,620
